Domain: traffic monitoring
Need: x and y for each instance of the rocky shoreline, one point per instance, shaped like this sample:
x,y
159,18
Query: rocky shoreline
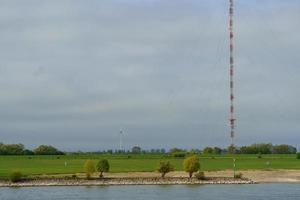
x,y
123,181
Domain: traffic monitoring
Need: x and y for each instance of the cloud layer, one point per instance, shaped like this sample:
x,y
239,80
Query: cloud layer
x,y
73,73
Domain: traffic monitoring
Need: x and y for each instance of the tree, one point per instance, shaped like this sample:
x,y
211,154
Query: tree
x,y
191,165
15,149
136,150
47,150
178,153
175,150
2,150
89,168
268,148
194,151
162,151
217,150
231,149
110,151
11,149
28,152
208,150
164,168
102,166
262,148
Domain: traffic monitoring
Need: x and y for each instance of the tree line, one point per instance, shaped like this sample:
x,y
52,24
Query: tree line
x,y
260,148
265,148
19,149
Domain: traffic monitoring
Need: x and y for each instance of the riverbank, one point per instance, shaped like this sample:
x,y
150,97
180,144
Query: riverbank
x,y
153,178
123,181
259,176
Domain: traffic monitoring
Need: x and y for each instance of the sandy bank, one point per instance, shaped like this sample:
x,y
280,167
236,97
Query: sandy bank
x,y
260,176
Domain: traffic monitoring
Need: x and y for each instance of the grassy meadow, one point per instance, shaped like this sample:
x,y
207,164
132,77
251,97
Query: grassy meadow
x,y
39,165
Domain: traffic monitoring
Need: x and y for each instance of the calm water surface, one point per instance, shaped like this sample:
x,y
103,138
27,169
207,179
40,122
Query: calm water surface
x,y
232,192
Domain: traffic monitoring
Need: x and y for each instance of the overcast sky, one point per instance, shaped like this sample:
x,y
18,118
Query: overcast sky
x,y
75,72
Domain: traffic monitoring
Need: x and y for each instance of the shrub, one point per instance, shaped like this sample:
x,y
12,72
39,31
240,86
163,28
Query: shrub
x,y
238,175
15,176
191,165
136,150
179,154
259,155
67,177
164,168
200,176
89,168
102,166
298,156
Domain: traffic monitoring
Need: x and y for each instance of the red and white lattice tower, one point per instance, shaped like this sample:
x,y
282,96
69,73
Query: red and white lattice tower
x,y
232,111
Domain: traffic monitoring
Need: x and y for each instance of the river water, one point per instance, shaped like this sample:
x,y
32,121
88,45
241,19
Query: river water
x,y
204,192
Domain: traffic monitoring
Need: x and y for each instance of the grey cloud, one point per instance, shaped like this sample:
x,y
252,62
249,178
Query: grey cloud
x,y
74,72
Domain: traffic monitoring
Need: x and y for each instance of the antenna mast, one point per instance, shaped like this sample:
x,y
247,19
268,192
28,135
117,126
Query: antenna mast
x,y
232,111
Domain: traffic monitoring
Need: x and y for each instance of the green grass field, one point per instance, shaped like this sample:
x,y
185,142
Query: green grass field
x,y
37,165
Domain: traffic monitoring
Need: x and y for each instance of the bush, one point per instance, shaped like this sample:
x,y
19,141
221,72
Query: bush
x,y
102,166
200,176
179,154
259,155
298,156
89,168
238,175
15,176
164,168
191,165
136,150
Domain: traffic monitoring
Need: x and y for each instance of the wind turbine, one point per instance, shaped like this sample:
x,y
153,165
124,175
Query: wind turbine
x,y
121,140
